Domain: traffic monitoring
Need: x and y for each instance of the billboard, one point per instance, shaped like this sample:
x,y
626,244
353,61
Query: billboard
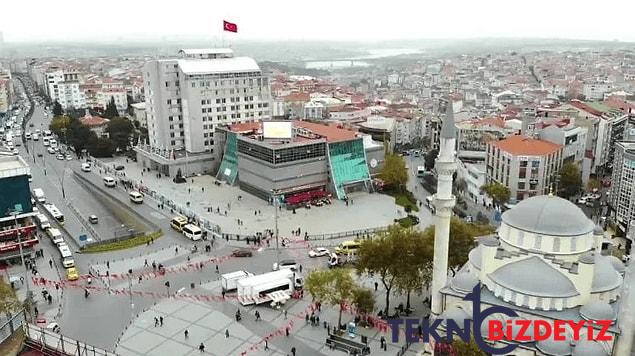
x,y
276,129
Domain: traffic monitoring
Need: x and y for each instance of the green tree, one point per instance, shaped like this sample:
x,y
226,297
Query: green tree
x,y
100,147
333,286
79,135
498,192
416,264
593,184
382,256
120,130
59,125
394,172
363,300
462,236
57,109
130,109
462,348
9,302
570,180
111,109
430,158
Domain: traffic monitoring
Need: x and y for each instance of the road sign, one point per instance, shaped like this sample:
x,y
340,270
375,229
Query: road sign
x,y
83,237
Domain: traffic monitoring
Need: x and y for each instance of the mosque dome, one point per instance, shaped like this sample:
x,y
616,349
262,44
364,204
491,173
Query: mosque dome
x,y
598,310
589,348
617,264
548,215
605,277
457,314
464,281
554,348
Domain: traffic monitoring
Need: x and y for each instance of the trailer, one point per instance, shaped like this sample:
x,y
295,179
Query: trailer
x,y
229,280
268,287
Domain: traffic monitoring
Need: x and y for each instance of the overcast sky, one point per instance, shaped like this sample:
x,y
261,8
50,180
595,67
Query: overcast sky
x,y
323,19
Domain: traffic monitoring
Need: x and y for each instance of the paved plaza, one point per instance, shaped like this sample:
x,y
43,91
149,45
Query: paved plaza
x,y
366,210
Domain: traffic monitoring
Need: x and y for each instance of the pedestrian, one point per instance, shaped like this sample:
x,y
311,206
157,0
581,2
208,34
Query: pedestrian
x,y
317,320
287,330
176,250
217,272
257,316
266,345
376,286
300,268
140,279
50,299
108,264
161,320
285,314
154,265
145,263
51,263
293,351
156,321
186,333
306,318
223,293
201,347
226,333
37,312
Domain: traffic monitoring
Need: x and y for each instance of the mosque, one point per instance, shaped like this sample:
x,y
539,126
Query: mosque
x,y
544,262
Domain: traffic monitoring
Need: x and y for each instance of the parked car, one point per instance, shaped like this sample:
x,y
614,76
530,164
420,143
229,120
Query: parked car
x,y
242,252
319,252
119,167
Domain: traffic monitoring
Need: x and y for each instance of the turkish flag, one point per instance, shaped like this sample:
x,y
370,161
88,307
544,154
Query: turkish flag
x,y
228,26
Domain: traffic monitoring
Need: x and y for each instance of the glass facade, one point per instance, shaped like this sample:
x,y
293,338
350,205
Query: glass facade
x,y
347,162
229,167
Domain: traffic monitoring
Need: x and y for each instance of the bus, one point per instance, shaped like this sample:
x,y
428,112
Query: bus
x,y
192,232
55,212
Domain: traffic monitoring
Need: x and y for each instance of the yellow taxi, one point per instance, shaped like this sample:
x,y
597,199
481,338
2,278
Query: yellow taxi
x,y
72,274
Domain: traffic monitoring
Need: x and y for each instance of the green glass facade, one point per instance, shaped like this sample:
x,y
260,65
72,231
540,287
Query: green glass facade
x,y
347,162
15,190
229,166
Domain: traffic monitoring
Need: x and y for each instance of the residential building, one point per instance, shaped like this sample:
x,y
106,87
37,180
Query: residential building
x,y
564,132
473,136
526,166
63,86
139,113
296,161
474,176
104,96
314,110
621,198
596,90
188,97
6,92
15,206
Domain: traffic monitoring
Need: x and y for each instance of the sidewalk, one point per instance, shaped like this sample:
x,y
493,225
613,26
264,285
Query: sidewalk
x,y
50,312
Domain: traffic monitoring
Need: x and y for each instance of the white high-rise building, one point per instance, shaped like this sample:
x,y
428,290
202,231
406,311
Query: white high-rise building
x,y
188,97
63,86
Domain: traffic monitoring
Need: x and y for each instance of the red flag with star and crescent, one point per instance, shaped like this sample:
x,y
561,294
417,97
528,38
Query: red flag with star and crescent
x,y
229,26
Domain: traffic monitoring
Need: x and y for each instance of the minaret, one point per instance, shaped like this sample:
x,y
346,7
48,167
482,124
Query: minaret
x,y
444,201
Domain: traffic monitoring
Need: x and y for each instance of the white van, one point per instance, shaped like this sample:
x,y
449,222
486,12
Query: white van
x,y
38,194
85,167
109,182
45,141
136,197
192,232
67,256
55,235
42,221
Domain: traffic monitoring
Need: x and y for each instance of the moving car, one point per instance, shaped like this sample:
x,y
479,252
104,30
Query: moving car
x,y
60,157
178,222
72,274
86,167
136,197
319,252
93,219
50,150
109,182
242,252
119,167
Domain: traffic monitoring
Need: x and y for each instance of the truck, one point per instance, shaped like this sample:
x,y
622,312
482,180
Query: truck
x,y
275,287
38,194
229,280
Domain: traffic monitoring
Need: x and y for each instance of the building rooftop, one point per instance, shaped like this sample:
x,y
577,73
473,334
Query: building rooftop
x,y
332,133
191,51
519,145
218,65
11,166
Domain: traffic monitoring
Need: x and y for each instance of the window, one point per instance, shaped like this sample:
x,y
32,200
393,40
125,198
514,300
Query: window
x,y
217,101
193,84
556,245
169,101
167,84
538,242
202,102
178,101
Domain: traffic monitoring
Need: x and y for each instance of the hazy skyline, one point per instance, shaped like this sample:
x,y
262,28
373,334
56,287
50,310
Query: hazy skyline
x,y
325,20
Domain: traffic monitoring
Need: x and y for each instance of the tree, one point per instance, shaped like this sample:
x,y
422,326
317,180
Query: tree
x,y
9,302
462,236
100,146
130,101
111,109
593,184
462,348
382,256
59,125
120,130
416,264
570,180
394,172
57,109
430,158
79,136
363,300
333,286
498,192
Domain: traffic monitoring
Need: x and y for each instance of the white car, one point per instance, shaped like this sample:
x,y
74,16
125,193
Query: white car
x,y
60,157
16,152
50,150
86,167
319,252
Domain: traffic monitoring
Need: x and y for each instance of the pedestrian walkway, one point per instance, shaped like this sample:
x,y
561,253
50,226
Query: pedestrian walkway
x,y
224,205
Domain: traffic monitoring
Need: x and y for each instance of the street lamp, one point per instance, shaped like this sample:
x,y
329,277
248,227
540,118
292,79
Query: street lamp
x,y
276,203
130,291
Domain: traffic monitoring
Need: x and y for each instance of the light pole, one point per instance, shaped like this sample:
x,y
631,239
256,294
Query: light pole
x,y
275,209
130,292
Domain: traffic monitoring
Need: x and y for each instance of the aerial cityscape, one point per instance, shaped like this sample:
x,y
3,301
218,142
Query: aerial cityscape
x,y
230,185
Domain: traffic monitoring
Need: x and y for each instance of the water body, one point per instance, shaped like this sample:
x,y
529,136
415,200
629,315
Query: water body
x,y
359,61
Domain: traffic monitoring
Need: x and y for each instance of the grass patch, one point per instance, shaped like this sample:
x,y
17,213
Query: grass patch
x,y
122,245
405,199
408,221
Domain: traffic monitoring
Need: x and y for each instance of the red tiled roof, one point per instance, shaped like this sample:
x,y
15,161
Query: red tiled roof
x,y
297,97
93,121
519,145
583,106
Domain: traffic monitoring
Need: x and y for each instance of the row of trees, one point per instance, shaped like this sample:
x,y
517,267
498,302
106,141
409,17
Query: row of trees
x,y
401,258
